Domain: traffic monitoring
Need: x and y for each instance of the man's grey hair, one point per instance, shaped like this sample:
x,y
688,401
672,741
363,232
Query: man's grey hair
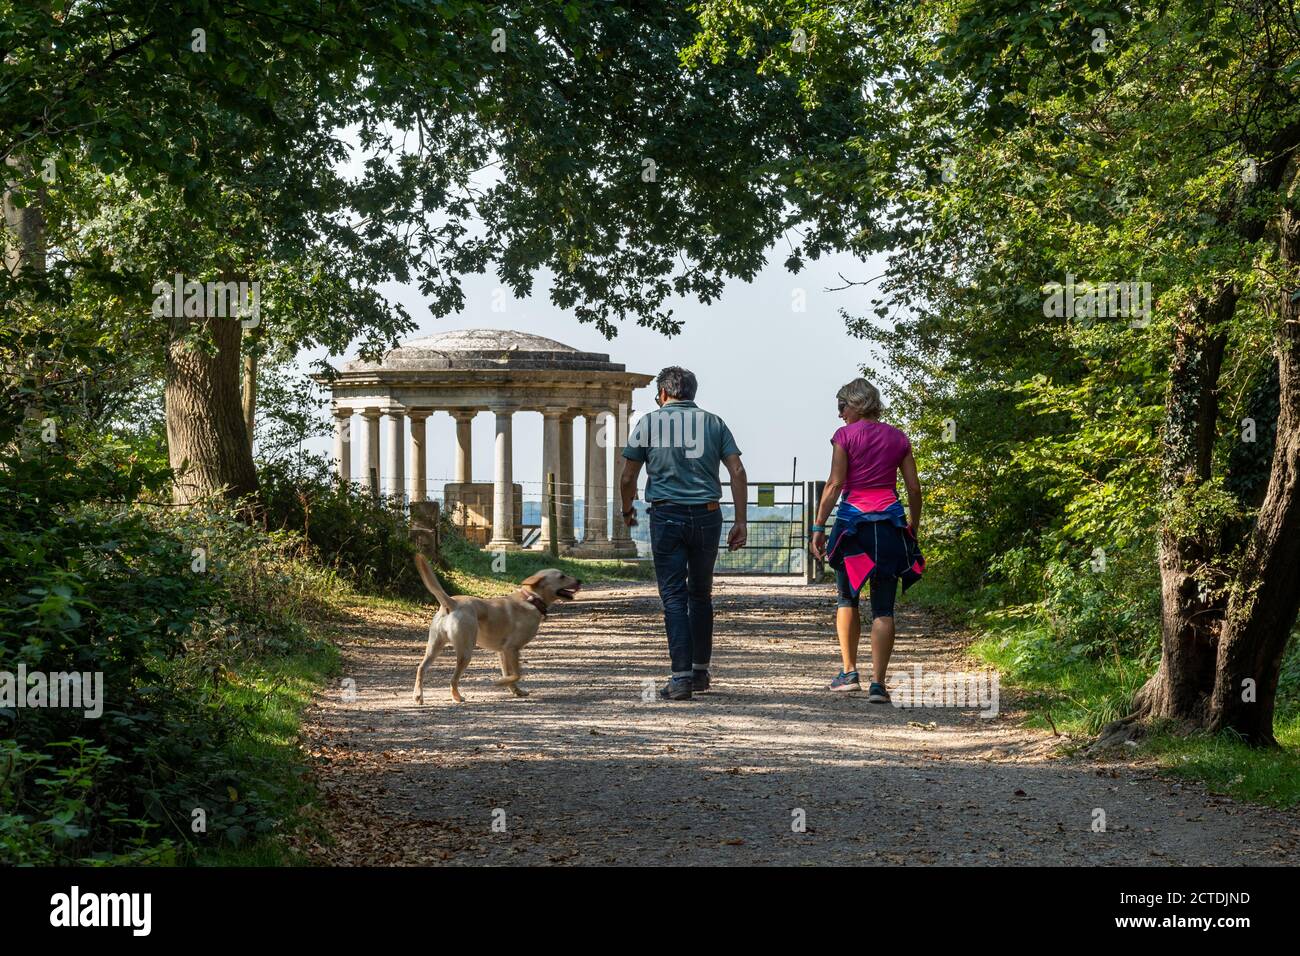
x,y
678,383
863,397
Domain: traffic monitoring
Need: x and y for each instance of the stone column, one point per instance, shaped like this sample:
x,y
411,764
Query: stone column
x,y
550,466
464,446
370,461
620,539
395,466
503,489
419,460
566,487
595,493
343,444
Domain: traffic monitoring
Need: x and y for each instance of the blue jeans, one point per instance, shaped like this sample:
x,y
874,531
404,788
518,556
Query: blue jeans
x,y
684,540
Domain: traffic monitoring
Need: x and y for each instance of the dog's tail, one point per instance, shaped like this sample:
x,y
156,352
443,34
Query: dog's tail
x,y
431,582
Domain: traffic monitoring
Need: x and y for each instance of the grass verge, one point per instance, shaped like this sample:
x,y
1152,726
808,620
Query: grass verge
x,y
1077,696
270,695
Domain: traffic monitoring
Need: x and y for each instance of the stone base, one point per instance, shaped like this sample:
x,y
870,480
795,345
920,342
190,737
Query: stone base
x,y
503,546
544,547
602,549
470,505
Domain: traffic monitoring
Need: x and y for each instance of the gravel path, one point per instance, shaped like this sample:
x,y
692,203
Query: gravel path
x,y
584,771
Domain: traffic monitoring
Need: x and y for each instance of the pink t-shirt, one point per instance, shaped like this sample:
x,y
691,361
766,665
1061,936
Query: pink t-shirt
x,y
875,451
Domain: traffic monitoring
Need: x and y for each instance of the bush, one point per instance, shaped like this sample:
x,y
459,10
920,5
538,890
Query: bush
x,y
1079,611
164,604
1097,610
365,539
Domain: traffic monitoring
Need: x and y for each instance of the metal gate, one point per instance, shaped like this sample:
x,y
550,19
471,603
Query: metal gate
x,y
779,515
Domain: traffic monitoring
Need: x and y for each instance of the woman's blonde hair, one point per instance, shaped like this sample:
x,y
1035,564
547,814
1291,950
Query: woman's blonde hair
x,y
861,396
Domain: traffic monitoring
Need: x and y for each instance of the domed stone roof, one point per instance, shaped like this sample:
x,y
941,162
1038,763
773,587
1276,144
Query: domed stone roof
x,y
472,369
486,349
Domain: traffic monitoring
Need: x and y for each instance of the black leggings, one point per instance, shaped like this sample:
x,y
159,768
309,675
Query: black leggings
x,y
891,552
883,591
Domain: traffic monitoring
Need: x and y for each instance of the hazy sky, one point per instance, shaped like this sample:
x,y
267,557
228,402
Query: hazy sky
x,y
769,371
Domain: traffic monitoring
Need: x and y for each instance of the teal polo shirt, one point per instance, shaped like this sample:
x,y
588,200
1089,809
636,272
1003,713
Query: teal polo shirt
x,y
682,446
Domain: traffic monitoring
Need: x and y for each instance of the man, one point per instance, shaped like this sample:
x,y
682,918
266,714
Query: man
x,y
682,446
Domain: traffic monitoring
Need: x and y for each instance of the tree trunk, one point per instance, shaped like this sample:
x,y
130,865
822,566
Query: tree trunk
x,y
1184,688
1266,596
206,440
25,252
250,387
25,260
1189,624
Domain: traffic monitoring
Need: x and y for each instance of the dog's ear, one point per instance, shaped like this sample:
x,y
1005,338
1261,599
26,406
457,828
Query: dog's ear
x,y
533,580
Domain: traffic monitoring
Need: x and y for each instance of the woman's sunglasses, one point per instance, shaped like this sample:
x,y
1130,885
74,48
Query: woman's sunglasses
x,y
843,405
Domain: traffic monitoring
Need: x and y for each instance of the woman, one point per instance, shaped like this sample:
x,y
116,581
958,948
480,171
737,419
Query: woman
x,y
872,539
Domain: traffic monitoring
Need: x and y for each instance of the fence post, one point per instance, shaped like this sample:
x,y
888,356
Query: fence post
x,y
818,488
555,528
424,529
809,513
437,523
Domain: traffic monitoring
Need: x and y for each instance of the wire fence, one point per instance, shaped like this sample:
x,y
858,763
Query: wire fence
x,y
776,522
568,496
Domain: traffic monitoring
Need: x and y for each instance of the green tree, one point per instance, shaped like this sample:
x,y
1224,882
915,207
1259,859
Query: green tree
x,y
1147,143
526,138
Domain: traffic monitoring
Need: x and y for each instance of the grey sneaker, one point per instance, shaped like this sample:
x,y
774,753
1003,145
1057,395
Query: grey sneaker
x,y
677,688
845,681
876,694
700,681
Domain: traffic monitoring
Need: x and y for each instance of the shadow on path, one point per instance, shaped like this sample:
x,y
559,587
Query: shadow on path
x,y
587,771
